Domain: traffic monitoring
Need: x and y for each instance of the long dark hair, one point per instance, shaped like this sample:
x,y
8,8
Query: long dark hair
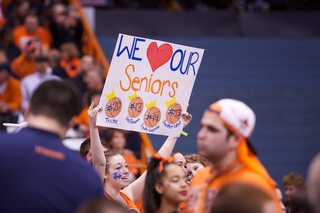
x,y
151,198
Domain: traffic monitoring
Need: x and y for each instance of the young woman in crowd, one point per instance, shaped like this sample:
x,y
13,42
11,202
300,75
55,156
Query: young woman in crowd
x,y
167,186
179,159
195,163
116,173
117,140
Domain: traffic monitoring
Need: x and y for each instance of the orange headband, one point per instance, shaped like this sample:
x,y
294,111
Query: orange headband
x,y
163,160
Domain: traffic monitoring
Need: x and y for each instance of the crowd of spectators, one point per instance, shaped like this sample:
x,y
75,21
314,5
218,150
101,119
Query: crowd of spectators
x,y
43,42
40,41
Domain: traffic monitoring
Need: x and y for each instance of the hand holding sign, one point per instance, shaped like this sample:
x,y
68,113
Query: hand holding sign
x,y
149,85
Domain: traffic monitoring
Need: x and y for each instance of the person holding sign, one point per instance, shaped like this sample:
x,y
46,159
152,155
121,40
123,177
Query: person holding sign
x,y
149,85
112,167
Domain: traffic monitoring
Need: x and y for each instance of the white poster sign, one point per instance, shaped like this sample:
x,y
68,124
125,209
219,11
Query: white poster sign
x,y
148,86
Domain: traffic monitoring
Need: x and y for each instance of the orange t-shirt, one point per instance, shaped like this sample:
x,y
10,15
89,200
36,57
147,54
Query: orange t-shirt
x,y
72,67
131,206
139,204
12,94
21,36
22,66
205,186
83,117
183,206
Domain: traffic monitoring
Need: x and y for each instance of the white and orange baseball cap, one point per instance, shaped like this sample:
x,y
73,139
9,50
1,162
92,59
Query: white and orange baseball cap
x,y
240,118
236,115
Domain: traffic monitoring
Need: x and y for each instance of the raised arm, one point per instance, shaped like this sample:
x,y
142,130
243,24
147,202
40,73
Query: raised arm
x,y
135,189
98,158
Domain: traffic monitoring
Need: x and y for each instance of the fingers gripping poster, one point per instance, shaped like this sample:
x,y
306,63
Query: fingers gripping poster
x,y
148,86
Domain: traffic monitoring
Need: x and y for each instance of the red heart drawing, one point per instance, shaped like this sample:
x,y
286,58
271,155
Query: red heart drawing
x,y
158,56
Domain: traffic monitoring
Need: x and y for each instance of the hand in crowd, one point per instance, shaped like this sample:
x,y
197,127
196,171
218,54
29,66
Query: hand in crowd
x,y
186,119
92,112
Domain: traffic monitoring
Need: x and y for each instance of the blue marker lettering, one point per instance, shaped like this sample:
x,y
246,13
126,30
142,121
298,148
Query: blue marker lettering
x,y
130,51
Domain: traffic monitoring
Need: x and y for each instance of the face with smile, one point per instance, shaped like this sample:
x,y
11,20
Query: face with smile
x,y
173,187
118,173
193,169
289,191
212,139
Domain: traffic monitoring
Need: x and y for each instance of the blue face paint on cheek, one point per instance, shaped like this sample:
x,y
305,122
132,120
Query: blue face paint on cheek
x,y
117,175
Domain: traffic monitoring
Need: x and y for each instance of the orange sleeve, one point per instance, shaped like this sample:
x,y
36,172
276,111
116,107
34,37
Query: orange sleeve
x,y
12,94
130,204
22,67
205,182
45,36
16,95
17,33
83,117
139,204
15,63
41,32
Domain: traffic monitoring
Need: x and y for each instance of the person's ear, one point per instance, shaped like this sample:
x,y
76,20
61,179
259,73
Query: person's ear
x,y
234,141
106,175
27,111
159,188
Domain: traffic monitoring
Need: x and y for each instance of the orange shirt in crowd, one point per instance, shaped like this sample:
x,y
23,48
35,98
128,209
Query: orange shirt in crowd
x,y
205,186
2,21
83,118
22,66
139,204
131,206
21,36
12,94
72,67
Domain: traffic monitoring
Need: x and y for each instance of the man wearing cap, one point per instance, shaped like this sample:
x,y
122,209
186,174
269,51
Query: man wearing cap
x,y
10,96
223,139
31,82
